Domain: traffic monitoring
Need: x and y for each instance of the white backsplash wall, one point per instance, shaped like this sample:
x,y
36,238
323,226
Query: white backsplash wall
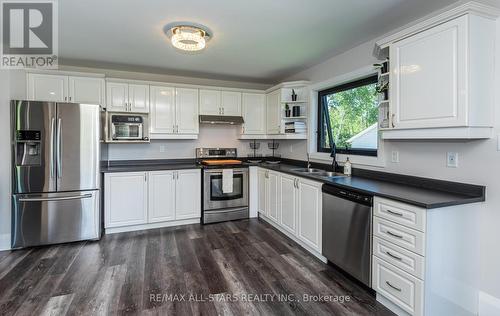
x,y
210,136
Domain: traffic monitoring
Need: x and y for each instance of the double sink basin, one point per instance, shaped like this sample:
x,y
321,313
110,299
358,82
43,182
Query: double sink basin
x,y
318,172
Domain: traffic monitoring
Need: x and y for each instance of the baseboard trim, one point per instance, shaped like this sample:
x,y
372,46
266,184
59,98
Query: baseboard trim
x,y
123,229
295,239
488,305
5,242
391,306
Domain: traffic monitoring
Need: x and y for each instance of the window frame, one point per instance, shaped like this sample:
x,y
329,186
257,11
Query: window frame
x,y
355,83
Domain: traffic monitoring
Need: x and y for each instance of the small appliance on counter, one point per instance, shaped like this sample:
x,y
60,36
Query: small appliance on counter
x,y
225,185
125,127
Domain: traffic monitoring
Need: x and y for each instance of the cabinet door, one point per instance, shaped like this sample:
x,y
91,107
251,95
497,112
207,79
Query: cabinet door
x,y
125,199
309,211
43,87
161,196
188,194
273,196
231,103
162,111
210,102
262,184
138,98
117,96
186,110
254,113
86,90
273,122
288,203
428,77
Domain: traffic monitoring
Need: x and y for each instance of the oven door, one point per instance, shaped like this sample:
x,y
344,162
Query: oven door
x,y
124,131
214,198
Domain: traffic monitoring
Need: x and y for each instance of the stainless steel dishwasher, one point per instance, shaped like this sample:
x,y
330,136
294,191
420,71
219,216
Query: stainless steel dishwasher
x,y
347,227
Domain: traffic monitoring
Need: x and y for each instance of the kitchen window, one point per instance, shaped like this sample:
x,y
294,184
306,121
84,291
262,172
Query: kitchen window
x,y
348,118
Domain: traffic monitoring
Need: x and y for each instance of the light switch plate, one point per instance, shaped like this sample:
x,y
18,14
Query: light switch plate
x,y
162,148
498,142
395,156
452,159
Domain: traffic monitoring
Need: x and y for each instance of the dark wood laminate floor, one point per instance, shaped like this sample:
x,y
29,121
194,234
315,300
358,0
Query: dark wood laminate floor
x,y
232,268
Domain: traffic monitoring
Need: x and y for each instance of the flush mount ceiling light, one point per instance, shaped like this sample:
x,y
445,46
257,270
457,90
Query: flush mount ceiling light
x,y
188,37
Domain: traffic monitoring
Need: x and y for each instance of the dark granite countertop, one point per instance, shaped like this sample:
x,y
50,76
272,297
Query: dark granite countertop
x,y
422,192
426,193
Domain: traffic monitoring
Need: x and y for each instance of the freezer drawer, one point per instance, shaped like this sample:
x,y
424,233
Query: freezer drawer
x,y
50,218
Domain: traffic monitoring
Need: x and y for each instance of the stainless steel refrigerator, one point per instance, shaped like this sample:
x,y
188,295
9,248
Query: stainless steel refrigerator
x,y
55,172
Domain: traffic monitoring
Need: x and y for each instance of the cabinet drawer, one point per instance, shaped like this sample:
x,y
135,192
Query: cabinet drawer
x,y
398,286
405,260
404,214
400,235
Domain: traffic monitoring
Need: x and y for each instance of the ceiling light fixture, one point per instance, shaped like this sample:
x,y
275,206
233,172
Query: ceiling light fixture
x,y
188,37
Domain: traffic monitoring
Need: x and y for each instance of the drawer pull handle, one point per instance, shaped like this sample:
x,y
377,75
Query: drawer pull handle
x,y
394,213
393,256
392,286
394,235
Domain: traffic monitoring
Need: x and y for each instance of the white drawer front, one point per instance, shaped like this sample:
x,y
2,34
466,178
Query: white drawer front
x,y
404,214
400,235
399,287
401,258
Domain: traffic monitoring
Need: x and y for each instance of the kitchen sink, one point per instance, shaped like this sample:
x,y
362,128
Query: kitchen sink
x,y
308,170
330,174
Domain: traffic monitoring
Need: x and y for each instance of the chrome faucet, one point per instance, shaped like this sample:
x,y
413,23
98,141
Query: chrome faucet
x,y
308,161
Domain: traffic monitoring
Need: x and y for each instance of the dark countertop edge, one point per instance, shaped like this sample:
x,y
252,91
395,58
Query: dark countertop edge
x,y
467,198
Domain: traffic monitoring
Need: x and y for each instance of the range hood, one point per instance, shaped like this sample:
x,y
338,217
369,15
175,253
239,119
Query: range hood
x,y
220,119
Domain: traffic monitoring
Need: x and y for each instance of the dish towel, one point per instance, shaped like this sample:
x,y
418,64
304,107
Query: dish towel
x,y
227,180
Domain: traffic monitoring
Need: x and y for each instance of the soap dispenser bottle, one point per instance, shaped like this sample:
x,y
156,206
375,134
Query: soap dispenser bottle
x,y
347,167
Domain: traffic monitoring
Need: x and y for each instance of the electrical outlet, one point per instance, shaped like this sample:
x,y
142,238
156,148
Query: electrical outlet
x,y
452,160
291,148
395,156
162,148
498,142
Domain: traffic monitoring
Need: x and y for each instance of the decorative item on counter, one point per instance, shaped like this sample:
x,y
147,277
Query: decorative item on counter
x,y
294,95
254,146
287,110
296,110
273,146
347,167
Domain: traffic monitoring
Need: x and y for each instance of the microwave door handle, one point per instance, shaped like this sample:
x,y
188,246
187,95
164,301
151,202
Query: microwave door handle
x,y
59,148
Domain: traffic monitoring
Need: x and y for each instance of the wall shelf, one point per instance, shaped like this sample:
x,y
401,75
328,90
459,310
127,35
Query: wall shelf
x,y
294,102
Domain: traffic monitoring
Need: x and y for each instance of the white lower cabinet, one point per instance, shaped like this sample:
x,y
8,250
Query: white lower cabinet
x,y
293,205
141,198
125,199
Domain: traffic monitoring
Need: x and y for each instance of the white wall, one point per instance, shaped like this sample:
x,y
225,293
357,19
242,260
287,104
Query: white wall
x,y
5,158
479,161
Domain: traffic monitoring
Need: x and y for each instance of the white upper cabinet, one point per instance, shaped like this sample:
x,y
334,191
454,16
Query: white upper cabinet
x,y
62,88
441,80
186,109
86,90
254,113
127,97
162,114
231,103
210,102
173,113
138,98
117,96
273,111
42,87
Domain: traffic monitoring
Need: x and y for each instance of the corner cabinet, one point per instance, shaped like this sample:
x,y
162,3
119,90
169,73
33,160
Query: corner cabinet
x,y
293,205
441,81
173,113
142,200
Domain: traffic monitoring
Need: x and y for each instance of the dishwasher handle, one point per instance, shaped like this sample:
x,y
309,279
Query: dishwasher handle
x,y
348,194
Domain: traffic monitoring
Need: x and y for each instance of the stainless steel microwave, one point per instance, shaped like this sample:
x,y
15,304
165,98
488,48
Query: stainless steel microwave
x,y
127,127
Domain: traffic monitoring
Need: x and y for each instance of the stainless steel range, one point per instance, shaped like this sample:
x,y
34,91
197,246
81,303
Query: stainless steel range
x,y
225,185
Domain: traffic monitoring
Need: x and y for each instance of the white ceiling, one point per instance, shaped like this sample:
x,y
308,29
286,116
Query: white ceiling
x,y
254,40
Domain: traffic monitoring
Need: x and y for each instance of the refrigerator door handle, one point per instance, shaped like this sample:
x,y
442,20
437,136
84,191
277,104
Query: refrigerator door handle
x,y
75,197
52,135
59,148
